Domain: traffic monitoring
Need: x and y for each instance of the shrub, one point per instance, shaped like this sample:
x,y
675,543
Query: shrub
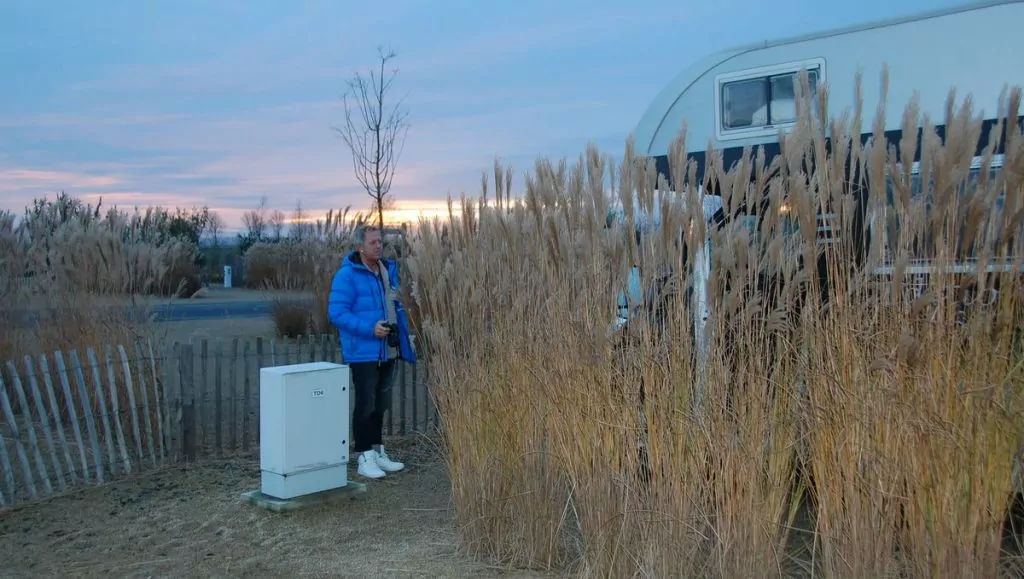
x,y
302,263
881,421
70,274
65,246
292,318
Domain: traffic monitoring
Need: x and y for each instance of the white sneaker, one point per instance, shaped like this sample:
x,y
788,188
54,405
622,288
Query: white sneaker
x,y
368,465
386,464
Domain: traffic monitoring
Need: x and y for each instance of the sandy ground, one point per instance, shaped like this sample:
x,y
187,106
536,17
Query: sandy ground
x,y
190,522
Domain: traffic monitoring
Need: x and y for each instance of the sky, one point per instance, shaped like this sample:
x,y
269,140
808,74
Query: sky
x,y
218,103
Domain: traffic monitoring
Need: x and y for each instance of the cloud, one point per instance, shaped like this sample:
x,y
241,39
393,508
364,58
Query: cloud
x,y
246,110
11,179
287,152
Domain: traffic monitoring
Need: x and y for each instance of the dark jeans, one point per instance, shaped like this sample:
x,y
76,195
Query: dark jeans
x,y
372,384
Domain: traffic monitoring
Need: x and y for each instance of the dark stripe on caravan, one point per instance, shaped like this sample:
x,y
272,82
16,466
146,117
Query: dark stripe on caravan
x,y
732,155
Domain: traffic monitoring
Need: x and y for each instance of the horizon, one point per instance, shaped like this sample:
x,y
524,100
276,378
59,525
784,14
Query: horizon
x,y
197,104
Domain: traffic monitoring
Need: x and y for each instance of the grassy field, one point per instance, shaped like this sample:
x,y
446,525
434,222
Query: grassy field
x,y
217,329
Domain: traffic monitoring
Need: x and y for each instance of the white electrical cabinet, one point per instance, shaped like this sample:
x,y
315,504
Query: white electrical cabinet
x,y
304,428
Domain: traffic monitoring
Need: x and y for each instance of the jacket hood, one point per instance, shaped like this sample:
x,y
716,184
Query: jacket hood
x,y
352,260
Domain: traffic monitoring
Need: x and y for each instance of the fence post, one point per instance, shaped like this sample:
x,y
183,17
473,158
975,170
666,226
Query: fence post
x,y
401,411
233,393
187,416
415,401
218,397
246,393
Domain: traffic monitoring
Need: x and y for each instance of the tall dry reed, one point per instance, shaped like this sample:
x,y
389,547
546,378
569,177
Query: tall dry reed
x,y
825,396
73,278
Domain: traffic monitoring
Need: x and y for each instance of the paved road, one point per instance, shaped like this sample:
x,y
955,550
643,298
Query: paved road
x,y
177,312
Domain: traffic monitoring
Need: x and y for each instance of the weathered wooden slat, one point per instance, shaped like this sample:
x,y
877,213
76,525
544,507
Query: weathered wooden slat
x,y
8,467
233,396
404,396
140,364
108,431
51,396
390,408
286,348
163,401
333,351
431,407
246,394
324,352
129,385
65,386
179,405
261,361
415,400
202,388
30,428
186,379
218,398
19,444
5,464
90,416
312,348
115,405
44,422
273,354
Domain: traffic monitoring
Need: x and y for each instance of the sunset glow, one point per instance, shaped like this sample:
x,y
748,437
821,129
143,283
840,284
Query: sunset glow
x,y
109,102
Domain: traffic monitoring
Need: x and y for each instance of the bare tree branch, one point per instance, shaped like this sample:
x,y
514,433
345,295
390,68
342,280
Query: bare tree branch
x,y
375,136
215,227
277,221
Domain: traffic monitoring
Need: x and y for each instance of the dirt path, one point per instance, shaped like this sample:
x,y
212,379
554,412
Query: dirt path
x,y
189,522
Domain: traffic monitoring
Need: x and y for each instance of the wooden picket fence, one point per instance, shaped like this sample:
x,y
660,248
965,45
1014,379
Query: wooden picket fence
x,y
87,417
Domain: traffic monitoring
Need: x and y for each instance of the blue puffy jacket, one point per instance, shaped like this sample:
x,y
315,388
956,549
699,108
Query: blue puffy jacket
x,y
356,305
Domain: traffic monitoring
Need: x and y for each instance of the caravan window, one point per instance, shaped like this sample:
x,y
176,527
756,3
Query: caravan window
x,y
762,101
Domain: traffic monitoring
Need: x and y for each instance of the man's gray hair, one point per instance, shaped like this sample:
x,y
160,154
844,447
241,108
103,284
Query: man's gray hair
x,y
359,233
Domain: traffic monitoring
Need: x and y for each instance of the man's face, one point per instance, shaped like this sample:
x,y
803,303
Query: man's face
x,y
372,246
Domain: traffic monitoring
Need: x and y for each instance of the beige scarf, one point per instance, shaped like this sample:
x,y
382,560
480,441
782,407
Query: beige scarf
x,y
390,295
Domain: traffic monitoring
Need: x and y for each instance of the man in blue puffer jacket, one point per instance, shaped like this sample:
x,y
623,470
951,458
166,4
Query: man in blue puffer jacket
x,y
374,327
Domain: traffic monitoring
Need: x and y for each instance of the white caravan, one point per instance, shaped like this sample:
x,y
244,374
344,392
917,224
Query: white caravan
x,y
744,96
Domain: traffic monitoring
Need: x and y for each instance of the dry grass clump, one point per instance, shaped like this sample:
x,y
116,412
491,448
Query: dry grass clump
x,y
69,278
298,262
66,245
284,265
292,318
827,419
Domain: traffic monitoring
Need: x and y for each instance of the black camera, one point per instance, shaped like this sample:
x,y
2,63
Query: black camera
x,y
392,334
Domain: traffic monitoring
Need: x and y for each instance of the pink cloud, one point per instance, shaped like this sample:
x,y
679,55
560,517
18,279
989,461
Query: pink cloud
x,y
289,153
13,179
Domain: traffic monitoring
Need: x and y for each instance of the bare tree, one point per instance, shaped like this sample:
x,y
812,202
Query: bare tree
x,y
255,220
214,227
277,220
374,136
301,229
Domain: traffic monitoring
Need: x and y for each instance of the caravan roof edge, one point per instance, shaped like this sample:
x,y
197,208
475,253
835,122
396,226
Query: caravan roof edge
x,y
873,24
654,116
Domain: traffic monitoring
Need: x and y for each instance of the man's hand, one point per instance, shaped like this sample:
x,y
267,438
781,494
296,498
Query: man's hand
x,y
380,330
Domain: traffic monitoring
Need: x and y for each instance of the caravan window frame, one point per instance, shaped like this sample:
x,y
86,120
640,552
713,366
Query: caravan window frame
x,y
763,72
